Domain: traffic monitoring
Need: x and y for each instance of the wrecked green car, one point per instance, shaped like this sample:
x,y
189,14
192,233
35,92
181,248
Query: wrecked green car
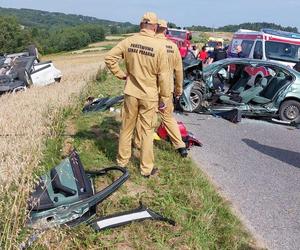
x,y
257,88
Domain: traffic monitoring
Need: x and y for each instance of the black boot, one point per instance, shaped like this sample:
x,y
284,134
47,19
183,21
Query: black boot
x,y
183,152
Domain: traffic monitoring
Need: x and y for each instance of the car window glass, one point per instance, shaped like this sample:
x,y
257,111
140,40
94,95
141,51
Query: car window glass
x,y
223,72
212,44
246,47
282,51
258,51
177,33
277,79
189,56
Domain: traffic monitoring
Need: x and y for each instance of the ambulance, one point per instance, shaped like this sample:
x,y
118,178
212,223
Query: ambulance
x,y
267,44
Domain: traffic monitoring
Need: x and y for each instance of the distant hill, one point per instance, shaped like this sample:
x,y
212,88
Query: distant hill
x,y
45,19
53,32
251,26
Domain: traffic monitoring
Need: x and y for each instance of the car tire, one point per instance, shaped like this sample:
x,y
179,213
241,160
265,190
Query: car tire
x,y
196,98
19,89
289,111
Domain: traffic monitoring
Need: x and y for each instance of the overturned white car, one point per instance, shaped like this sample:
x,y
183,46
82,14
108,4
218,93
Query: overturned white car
x,y
21,70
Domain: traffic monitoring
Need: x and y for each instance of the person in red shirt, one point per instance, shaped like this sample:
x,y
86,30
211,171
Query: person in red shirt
x,y
203,55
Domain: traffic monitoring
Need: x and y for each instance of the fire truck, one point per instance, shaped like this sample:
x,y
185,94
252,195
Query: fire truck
x,y
182,38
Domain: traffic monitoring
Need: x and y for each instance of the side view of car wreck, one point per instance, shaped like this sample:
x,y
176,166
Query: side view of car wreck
x,y
21,70
276,94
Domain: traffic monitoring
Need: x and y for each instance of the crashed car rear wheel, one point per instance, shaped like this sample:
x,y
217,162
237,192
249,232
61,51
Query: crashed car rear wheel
x,y
196,99
19,89
290,111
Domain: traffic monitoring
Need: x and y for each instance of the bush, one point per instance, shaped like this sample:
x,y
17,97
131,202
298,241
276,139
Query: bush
x,y
71,40
101,75
96,32
203,38
13,38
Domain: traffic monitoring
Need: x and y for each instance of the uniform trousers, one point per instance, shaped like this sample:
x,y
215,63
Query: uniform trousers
x,y
146,111
170,124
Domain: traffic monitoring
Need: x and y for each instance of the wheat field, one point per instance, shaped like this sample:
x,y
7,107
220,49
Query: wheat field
x,y
26,120
26,117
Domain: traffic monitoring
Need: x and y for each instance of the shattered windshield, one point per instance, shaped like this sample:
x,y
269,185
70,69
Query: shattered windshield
x,y
177,33
282,51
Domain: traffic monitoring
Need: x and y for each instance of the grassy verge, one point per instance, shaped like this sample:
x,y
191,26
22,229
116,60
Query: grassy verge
x,y
181,191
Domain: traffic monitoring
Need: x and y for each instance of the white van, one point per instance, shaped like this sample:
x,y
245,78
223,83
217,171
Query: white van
x,y
267,44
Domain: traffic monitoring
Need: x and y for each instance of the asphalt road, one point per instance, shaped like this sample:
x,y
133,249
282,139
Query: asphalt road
x,y
256,165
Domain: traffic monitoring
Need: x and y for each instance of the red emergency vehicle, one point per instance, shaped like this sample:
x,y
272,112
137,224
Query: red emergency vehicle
x,y
182,38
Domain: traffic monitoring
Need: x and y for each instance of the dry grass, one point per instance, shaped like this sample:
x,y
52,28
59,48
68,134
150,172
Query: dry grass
x,y
26,120
224,35
111,38
89,50
102,44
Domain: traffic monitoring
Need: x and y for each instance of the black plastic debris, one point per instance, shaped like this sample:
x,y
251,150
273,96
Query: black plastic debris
x,y
234,115
102,104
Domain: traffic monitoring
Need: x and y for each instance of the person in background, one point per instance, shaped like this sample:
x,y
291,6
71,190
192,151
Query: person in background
x,y
195,50
239,51
203,55
218,54
147,81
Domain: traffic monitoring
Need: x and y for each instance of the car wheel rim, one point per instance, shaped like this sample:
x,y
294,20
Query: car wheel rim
x,y
195,100
292,112
183,105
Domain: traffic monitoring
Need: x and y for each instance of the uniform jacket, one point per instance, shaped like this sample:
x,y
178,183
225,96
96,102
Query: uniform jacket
x,y
146,64
175,64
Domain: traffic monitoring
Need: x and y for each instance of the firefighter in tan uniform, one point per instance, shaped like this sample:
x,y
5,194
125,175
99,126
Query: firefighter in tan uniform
x,y
176,69
146,89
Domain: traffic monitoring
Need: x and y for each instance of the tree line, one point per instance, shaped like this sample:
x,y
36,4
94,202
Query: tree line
x,y
46,19
15,38
53,32
250,26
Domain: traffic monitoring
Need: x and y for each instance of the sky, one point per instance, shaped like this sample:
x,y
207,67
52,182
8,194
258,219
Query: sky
x,y
212,13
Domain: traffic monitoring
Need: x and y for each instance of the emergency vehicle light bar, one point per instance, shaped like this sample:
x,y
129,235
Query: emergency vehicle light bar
x,y
281,33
